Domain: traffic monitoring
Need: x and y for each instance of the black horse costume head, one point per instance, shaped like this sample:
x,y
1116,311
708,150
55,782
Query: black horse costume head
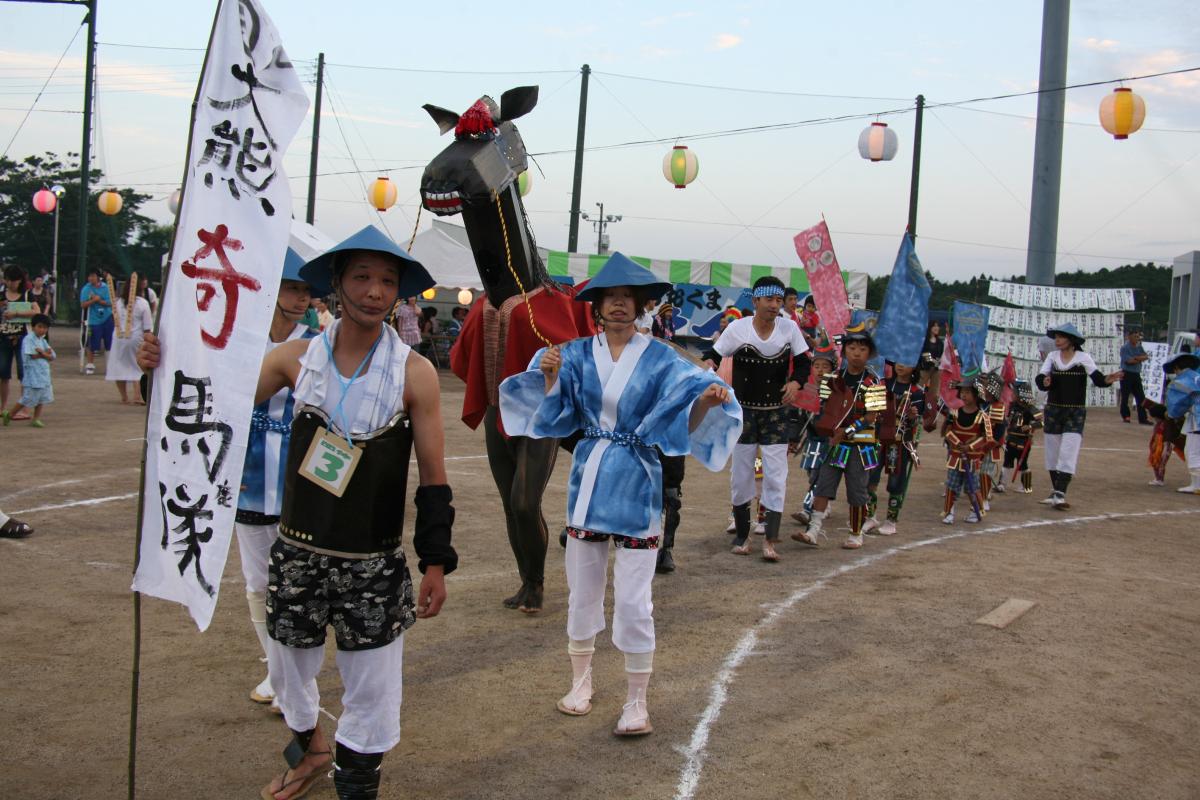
x,y
476,176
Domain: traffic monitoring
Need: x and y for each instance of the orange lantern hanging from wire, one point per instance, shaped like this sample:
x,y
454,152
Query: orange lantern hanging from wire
x,y
382,193
1122,112
877,142
680,166
44,201
109,202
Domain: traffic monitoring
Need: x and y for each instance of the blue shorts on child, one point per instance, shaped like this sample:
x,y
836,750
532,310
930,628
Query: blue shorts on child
x,y
34,396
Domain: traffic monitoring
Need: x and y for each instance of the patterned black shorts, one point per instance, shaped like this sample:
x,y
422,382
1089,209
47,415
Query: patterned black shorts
x,y
368,601
619,540
772,426
1064,419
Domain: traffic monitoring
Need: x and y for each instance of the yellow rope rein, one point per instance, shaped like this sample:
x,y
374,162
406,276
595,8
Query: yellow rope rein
x,y
508,259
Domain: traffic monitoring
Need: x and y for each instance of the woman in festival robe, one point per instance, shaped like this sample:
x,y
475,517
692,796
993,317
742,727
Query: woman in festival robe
x,y
130,327
627,393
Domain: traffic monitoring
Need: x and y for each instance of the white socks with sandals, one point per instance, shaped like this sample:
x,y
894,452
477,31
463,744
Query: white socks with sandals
x,y
635,718
578,701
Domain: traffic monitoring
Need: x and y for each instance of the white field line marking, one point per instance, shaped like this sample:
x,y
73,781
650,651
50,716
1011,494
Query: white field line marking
x,y
71,482
696,750
95,501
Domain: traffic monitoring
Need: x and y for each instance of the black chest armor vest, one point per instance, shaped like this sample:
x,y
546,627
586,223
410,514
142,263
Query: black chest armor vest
x,y
758,380
366,521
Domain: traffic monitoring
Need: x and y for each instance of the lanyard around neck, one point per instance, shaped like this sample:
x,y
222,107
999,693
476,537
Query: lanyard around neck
x,y
340,410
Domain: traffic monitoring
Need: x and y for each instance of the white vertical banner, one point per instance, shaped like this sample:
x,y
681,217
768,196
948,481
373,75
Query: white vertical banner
x,y
216,308
1152,369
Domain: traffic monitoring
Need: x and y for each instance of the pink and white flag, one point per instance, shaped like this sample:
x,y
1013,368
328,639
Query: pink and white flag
x,y
217,303
815,248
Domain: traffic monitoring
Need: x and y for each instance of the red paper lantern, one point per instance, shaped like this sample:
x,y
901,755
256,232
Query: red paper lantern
x,y
44,201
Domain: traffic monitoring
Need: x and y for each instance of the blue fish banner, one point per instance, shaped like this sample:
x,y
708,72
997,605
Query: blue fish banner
x,y
900,334
969,325
698,307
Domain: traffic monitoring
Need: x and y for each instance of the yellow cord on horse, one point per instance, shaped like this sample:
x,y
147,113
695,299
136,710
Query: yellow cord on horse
x,y
508,259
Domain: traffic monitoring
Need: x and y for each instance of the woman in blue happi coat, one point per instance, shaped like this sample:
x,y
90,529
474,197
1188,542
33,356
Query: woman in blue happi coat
x,y
627,394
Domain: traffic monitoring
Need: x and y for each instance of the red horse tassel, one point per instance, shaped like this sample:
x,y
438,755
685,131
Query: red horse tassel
x,y
476,121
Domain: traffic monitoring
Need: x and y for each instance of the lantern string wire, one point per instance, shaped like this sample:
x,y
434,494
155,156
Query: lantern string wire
x,y
49,77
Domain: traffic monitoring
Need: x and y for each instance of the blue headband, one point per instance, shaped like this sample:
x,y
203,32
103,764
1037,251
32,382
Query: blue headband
x,y
768,291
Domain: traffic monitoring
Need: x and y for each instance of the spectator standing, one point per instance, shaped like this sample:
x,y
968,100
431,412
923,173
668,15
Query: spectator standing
x,y
122,367
1132,357
40,293
17,308
663,326
454,326
95,301
36,389
408,322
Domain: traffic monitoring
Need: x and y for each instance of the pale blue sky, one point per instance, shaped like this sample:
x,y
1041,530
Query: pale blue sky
x,y
1122,201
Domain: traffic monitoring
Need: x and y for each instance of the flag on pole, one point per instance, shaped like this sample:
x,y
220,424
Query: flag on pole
x,y
900,334
950,374
815,249
970,325
217,304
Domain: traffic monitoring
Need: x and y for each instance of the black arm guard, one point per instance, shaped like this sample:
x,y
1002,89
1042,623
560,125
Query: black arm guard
x,y
1042,381
1098,379
431,537
801,367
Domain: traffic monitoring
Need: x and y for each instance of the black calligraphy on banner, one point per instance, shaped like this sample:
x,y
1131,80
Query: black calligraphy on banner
x,y
194,433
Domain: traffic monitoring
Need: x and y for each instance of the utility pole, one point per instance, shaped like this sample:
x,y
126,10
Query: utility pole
x,y
599,224
1047,148
577,185
316,138
85,153
916,168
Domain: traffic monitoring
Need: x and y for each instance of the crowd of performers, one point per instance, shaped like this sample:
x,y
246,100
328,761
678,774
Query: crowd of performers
x,y
319,550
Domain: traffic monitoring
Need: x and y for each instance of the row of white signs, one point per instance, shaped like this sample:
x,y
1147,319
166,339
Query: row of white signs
x,y
1040,320
1065,297
1025,345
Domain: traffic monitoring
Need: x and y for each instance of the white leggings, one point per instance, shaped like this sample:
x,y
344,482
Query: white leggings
x,y
370,721
1191,451
1062,451
254,546
775,472
633,609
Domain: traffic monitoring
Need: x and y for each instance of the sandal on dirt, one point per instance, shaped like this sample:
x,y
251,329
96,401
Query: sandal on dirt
x,y
741,549
303,784
573,710
641,730
769,553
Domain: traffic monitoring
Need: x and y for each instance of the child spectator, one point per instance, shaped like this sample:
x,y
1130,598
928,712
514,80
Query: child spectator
x,y
36,389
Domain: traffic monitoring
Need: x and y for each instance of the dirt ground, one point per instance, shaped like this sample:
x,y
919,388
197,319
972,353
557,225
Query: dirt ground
x,y
832,674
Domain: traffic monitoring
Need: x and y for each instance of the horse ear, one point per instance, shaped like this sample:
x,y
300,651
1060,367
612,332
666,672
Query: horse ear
x,y
518,102
445,119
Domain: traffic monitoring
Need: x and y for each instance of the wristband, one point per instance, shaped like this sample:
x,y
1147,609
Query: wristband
x,y
431,532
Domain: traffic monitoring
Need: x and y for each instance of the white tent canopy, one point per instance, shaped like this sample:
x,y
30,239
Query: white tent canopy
x,y
446,256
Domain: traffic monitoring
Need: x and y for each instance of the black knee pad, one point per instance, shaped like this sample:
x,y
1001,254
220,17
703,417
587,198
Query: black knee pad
x,y
355,774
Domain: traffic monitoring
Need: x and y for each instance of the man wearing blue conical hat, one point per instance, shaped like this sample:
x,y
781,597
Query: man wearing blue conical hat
x,y
629,394
364,402
1064,376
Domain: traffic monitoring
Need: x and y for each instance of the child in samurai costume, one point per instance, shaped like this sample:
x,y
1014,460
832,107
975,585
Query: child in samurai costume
x,y
899,433
851,400
991,476
628,393
769,369
968,435
1183,403
814,446
1064,376
1023,419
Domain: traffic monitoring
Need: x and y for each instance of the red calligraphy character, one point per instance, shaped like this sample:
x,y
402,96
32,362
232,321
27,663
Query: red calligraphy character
x,y
207,278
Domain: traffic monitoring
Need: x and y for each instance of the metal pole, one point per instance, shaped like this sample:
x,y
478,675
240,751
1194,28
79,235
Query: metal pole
x,y
916,168
600,231
316,138
577,185
85,153
58,287
1047,149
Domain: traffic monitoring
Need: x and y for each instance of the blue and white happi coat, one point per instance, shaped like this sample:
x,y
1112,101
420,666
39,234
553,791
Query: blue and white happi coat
x,y
1183,399
624,409
266,449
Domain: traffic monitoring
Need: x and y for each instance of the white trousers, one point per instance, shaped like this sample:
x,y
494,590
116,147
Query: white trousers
x,y
254,545
775,472
1191,451
633,609
1062,451
373,687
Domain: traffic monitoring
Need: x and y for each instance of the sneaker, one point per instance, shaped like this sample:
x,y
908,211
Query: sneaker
x,y
888,528
987,506
760,528
853,542
90,369
263,693
870,524
999,488
973,517
948,519
1157,482
1052,500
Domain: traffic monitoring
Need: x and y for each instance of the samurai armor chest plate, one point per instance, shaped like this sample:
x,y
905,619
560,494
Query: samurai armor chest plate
x,y
366,521
758,380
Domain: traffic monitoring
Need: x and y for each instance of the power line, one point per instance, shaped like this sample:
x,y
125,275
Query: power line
x,y
452,71
745,90
151,47
39,94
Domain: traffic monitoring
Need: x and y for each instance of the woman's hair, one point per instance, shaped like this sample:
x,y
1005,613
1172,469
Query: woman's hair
x,y
929,328
14,273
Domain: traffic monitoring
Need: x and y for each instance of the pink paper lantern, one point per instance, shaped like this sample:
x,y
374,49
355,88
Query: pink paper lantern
x,y
44,201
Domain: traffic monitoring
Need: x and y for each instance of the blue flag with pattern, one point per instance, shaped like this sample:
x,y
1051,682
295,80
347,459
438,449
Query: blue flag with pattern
x,y
969,323
900,334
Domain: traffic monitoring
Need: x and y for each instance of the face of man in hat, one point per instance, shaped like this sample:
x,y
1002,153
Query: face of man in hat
x,y
619,305
293,300
368,284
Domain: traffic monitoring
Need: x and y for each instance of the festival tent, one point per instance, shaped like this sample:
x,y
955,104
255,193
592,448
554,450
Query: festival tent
x,y
447,257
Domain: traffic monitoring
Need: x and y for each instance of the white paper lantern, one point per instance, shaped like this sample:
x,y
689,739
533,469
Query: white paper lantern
x,y
877,142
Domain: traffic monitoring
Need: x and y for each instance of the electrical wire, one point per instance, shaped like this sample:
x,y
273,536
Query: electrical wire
x,y
39,94
745,90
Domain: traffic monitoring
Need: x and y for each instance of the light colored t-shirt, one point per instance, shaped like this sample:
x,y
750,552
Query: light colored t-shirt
x,y
97,314
37,370
741,332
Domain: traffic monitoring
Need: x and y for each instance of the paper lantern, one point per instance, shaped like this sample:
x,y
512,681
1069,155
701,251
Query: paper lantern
x,y
877,142
173,201
680,166
524,183
464,297
382,193
109,203
430,293
1122,112
44,201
